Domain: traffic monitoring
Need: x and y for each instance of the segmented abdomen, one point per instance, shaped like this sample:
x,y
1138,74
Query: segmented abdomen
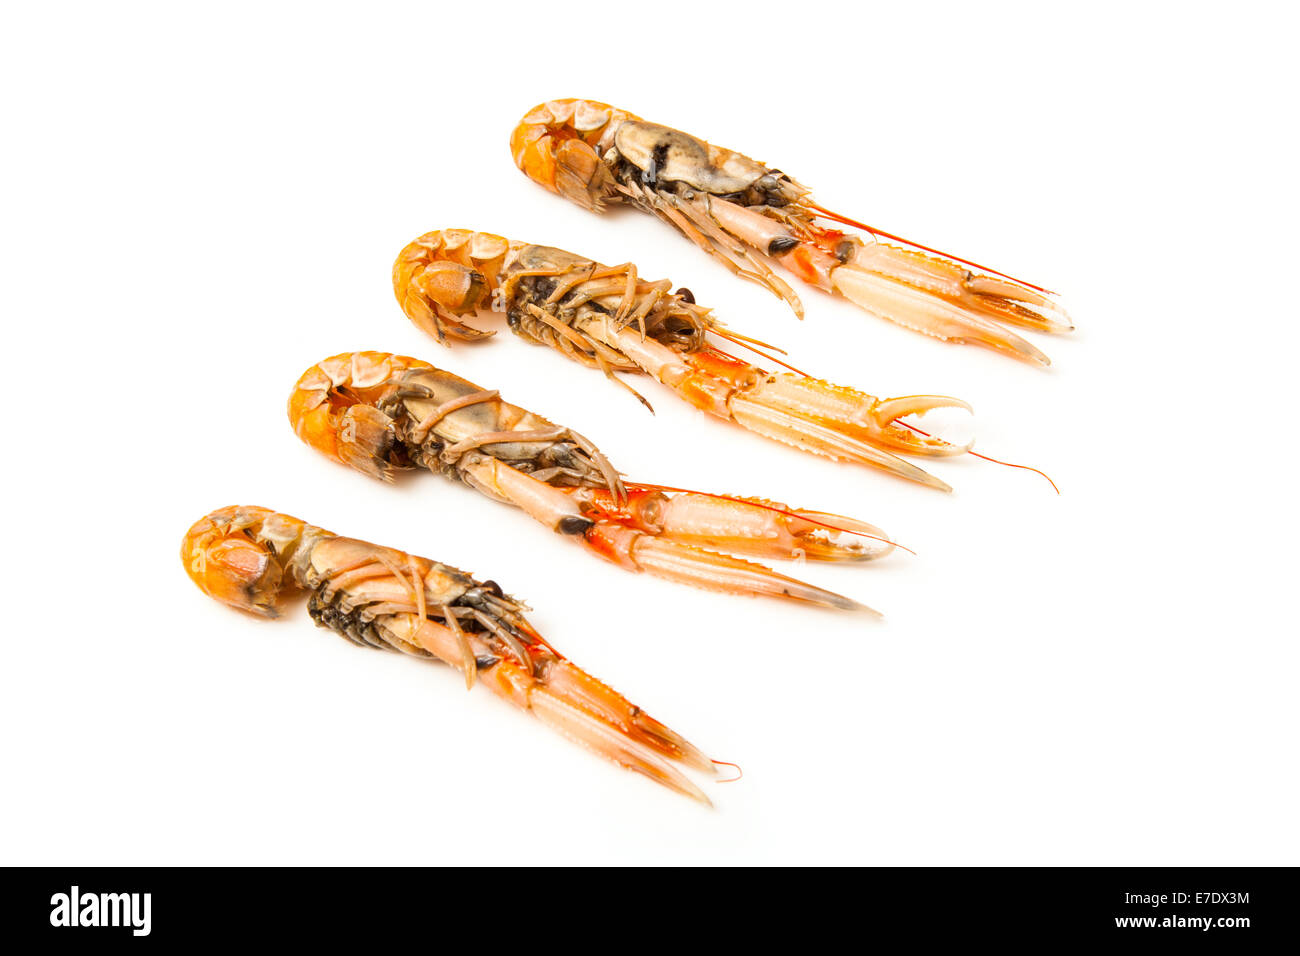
x,y
453,268
541,134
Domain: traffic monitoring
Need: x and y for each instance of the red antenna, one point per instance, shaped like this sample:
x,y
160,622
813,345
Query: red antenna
x,y
727,763
845,220
744,340
996,461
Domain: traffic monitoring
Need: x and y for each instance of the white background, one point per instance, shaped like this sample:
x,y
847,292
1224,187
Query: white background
x,y
200,201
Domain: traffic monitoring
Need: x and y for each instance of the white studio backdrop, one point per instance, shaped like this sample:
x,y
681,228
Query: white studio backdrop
x,y
201,202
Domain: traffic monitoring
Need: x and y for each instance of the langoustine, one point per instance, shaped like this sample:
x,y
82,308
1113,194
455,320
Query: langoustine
x,y
250,557
746,214
609,318
380,413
